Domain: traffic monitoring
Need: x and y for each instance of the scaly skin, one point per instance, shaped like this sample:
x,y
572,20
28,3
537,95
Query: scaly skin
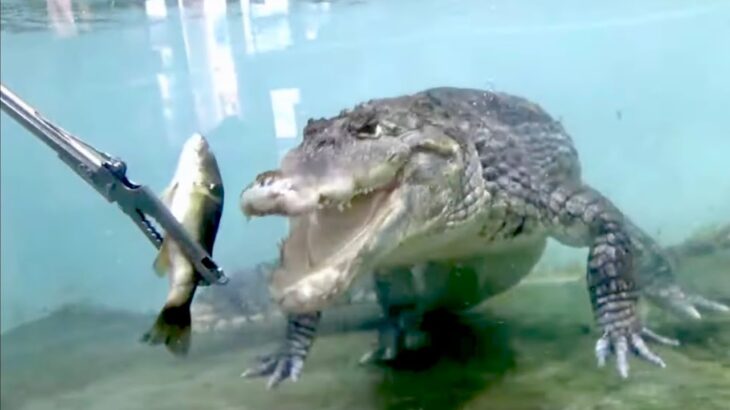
x,y
482,181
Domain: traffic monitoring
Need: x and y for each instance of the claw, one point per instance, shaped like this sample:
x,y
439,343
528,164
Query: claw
x,y
265,367
659,338
677,302
603,349
621,345
284,370
674,299
688,310
622,362
642,350
708,304
378,355
368,357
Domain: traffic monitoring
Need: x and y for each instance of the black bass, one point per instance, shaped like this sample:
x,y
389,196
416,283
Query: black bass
x,y
195,198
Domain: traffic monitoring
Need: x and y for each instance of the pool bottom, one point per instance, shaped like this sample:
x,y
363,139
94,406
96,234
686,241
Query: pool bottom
x,y
532,348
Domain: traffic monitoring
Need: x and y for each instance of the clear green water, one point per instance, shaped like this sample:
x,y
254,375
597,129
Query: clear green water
x,y
642,87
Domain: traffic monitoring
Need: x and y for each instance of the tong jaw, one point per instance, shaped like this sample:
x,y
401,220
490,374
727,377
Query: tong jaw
x,y
108,175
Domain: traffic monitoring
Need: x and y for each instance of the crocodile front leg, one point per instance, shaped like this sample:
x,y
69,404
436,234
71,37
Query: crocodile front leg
x,y
288,361
401,327
581,216
399,332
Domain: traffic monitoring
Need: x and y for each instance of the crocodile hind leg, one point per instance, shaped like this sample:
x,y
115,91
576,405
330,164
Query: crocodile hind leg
x,y
655,275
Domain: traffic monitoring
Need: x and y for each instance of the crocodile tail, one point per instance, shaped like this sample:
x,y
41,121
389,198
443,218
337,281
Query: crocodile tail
x,y
172,327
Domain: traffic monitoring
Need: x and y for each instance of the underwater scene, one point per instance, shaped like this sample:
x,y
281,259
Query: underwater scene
x,y
364,204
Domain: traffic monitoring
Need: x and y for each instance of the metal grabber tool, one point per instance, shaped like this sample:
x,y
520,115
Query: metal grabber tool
x,y
107,174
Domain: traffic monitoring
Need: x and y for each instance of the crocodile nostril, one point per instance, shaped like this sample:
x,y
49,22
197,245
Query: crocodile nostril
x,y
324,200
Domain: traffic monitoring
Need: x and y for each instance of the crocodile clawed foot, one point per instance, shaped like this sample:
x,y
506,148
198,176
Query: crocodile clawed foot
x,y
393,342
388,346
621,343
683,304
379,355
278,367
288,362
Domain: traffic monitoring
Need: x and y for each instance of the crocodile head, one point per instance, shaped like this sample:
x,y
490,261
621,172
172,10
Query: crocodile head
x,y
376,185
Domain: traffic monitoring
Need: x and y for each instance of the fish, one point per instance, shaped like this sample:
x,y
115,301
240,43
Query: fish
x,y
195,197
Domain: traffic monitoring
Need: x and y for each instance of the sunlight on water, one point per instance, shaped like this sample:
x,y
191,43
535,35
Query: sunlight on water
x,y
642,87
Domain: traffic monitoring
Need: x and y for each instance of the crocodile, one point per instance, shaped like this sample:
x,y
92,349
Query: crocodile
x,y
448,196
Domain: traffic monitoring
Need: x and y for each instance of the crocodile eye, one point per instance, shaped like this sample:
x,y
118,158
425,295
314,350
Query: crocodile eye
x,y
370,130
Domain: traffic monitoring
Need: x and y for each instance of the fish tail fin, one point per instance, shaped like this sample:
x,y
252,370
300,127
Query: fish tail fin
x,y
172,328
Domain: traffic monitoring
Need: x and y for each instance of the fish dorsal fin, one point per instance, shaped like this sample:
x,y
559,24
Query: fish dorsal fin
x,y
168,194
162,262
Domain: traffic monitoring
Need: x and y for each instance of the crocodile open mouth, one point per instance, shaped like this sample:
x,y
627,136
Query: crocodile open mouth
x,y
325,247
